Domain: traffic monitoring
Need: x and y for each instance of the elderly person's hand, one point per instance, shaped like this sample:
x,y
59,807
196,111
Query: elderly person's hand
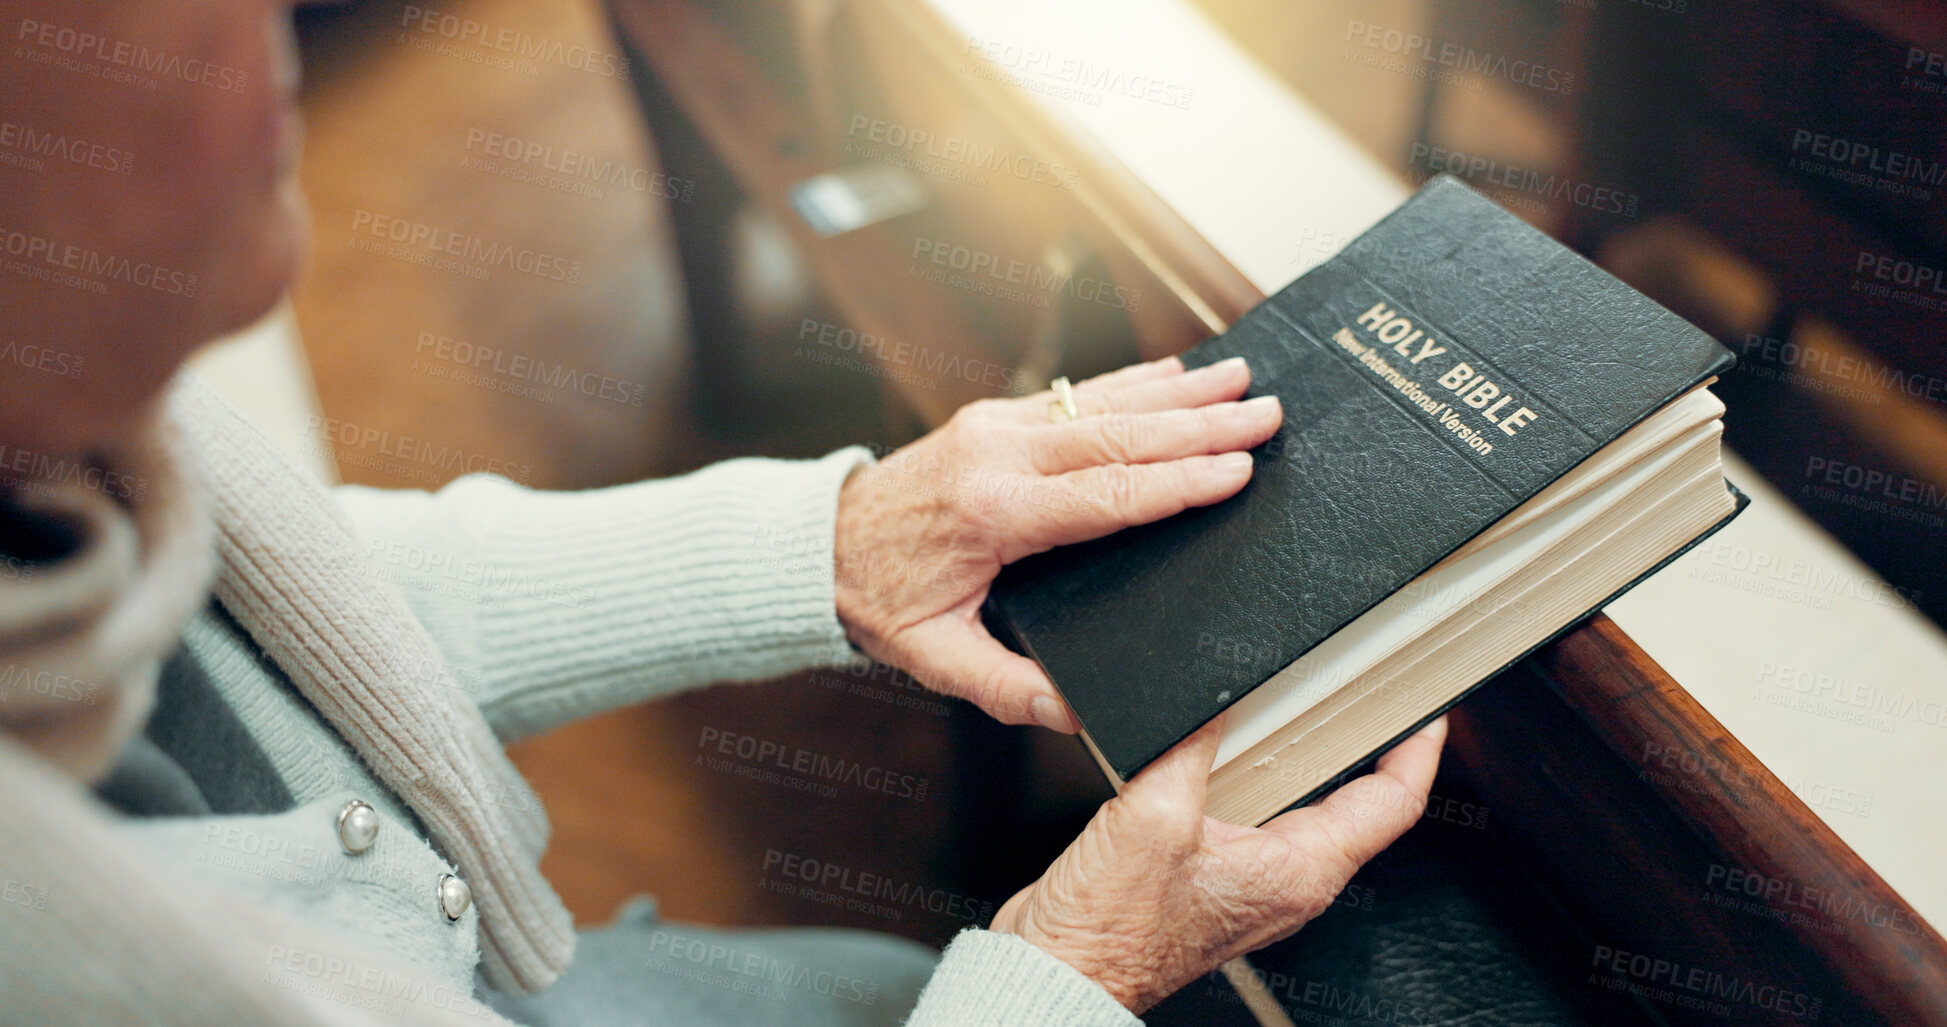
x,y
922,534
1154,894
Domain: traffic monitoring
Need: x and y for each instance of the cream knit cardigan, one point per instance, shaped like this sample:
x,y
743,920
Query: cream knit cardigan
x,y
112,930
288,569
295,579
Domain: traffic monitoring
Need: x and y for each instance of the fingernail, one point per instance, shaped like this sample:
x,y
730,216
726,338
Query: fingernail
x,y
1262,405
1227,363
1049,714
1234,463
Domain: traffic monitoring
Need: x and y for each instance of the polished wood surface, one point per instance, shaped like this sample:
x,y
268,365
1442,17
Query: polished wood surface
x,y
1607,847
1889,956
772,140
766,141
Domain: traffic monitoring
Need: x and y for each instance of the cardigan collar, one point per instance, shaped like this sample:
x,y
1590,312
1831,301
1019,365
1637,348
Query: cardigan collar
x,y
103,560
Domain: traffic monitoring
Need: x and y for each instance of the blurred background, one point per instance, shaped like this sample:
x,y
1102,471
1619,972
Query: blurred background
x,y
1773,172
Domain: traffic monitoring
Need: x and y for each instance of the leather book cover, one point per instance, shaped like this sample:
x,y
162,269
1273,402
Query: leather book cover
x,y
1445,367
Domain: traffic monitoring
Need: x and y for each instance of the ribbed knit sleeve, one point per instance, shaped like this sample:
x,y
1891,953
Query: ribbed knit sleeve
x,y
556,605
990,978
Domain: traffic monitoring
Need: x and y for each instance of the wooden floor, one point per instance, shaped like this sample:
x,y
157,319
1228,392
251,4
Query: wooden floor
x,y
401,133
421,129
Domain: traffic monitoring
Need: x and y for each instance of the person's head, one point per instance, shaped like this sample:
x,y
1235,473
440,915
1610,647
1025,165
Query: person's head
x,y
148,200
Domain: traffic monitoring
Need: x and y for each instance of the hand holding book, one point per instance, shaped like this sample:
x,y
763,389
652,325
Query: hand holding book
x,y
922,534
1486,438
1154,893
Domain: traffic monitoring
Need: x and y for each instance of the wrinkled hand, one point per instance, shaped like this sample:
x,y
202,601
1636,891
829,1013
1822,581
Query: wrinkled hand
x,y
922,534
1153,894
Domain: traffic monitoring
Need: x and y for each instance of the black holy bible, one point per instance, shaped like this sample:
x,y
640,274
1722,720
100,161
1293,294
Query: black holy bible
x,y
1485,439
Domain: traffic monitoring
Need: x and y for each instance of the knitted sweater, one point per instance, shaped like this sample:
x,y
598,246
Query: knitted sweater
x,y
540,608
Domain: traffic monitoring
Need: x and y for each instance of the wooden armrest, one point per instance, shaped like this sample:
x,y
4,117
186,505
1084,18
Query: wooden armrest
x,y
1886,952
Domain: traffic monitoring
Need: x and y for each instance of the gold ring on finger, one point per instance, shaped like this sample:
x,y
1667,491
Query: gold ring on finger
x,y
1062,407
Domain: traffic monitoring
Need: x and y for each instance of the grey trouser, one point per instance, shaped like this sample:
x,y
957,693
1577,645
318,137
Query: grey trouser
x,y
642,970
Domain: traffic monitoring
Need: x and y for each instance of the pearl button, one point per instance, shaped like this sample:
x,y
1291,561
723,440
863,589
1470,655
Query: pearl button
x,y
358,827
454,897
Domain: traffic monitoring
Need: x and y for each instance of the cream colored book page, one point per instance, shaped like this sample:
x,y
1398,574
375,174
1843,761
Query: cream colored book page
x,y
1423,604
